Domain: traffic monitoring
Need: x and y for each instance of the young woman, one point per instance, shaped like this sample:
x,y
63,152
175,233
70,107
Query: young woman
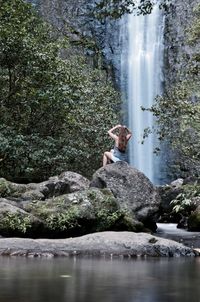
x,y
119,152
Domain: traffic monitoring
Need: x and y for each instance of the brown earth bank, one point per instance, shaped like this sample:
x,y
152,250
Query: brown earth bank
x,y
125,244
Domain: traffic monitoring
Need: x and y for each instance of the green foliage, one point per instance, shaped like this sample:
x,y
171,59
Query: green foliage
x,y
9,189
83,212
106,209
4,188
63,221
194,31
108,200
194,221
117,8
55,110
183,203
107,219
15,222
55,215
179,120
178,111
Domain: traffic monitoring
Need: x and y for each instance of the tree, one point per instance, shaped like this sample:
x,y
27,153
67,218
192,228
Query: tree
x,y
178,111
55,110
117,8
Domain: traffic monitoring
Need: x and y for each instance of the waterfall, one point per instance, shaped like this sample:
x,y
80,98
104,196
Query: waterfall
x,y
141,69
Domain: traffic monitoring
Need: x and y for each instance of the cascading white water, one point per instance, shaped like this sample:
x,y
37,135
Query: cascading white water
x,y
143,74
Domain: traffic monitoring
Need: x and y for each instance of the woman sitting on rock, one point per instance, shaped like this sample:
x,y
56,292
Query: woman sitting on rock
x,y
119,152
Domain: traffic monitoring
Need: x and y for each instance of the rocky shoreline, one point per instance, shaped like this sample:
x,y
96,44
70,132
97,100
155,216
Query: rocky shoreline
x,y
111,215
107,244
190,239
118,198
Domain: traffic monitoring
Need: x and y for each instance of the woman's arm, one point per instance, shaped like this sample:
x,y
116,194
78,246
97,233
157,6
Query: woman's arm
x,y
114,136
128,136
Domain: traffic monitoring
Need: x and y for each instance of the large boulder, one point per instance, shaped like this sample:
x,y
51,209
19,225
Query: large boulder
x,y
132,189
109,244
66,182
67,215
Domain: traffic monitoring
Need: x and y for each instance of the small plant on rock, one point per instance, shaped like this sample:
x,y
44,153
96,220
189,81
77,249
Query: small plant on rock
x,y
184,203
15,222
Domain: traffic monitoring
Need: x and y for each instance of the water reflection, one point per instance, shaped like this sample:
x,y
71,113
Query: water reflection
x,y
95,280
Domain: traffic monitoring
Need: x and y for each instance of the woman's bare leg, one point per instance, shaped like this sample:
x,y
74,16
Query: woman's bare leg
x,y
106,157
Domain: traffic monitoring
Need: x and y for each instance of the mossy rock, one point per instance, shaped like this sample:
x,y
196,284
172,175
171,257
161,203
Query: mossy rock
x,y
4,187
8,188
79,213
32,195
194,220
14,221
69,215
76,213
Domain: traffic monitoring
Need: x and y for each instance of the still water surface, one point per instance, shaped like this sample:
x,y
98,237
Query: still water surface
x,y
99,280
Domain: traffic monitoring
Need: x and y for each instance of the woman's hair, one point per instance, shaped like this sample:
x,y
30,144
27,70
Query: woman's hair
x,y
122,138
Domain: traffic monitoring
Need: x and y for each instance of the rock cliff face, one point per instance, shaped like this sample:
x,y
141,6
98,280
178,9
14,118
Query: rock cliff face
x,y
177,51
76,19
76,15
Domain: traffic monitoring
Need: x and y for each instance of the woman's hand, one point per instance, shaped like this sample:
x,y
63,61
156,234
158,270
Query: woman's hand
x,y
114,128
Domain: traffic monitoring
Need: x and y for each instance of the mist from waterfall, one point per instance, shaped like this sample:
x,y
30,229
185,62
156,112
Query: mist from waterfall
x,y
141,70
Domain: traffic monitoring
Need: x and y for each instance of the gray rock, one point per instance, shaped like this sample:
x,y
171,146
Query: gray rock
x,y
5,206
127,244
14,221
177,183
75,181
65,183
45,210
80,213
32,195
132,189
8,188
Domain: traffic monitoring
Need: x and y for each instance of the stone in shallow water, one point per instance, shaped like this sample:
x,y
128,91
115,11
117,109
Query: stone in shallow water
x,y
126,244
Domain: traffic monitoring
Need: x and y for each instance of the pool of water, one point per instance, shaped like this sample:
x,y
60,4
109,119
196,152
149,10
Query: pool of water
x,y
99,280
170,231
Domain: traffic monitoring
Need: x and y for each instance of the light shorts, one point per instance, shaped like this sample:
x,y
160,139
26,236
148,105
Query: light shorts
x,y
118,156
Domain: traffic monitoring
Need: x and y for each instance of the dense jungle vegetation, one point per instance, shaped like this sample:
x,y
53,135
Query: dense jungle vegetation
x,y
178,110
55,109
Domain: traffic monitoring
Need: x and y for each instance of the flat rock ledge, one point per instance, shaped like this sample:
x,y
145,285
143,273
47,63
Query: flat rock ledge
x,y
123,244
